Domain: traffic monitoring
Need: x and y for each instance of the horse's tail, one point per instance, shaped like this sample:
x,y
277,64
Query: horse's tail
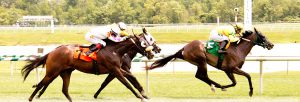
x,y
33,64
164,61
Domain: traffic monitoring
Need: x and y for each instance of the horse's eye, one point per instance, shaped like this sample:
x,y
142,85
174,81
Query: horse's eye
x,y
150,39
143,44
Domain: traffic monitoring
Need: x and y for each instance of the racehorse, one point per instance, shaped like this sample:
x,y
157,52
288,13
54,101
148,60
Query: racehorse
x,y
126,65
195,53
109,60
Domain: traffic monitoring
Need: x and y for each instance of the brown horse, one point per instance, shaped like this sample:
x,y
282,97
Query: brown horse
x,y
126,65
195,53
61,62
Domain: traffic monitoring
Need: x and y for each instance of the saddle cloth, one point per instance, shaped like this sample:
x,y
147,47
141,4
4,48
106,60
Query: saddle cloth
x,y
79,53
212,47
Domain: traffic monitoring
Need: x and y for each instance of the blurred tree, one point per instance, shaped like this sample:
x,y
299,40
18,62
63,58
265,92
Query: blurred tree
x,y
10,16
148,11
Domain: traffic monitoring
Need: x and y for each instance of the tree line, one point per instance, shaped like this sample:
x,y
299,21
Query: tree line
x,y
148,11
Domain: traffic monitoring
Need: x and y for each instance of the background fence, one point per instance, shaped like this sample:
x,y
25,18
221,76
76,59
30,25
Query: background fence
x,y
156,28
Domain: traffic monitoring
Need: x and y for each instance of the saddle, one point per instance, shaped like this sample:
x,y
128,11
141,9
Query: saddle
x,y
79,53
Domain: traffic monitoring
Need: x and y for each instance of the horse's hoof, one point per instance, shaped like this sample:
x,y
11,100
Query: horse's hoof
x,y
144,100
250,93
146,97
95,96
30,99
213,88
223,89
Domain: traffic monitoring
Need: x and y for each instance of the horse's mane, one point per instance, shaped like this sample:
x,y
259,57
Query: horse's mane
x,y
245,35
109,42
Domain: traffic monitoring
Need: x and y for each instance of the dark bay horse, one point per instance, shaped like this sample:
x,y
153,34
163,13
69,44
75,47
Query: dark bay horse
x,y
61,62
126,65
195,53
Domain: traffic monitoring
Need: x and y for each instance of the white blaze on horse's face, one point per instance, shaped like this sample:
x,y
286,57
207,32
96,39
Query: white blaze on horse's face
x,y
149,41
149,38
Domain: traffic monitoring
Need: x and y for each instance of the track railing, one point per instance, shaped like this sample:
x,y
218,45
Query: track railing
x,y
140,58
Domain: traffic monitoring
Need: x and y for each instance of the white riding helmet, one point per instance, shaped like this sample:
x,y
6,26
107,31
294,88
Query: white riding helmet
x,y
115,31
122,26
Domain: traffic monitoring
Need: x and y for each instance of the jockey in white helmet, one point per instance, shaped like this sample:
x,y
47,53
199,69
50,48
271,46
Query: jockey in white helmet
x,y
123,28
96,35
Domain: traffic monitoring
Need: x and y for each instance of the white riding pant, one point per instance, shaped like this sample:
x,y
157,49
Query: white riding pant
x,y
214,35
93,39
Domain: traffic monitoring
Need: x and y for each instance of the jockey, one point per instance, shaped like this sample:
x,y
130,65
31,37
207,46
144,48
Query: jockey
x,y
226,34
123,28
114,33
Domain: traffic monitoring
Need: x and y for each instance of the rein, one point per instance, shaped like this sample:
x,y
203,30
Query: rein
x,y
254,42
137,46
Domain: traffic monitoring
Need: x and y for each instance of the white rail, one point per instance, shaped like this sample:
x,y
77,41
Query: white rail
x,y
261,59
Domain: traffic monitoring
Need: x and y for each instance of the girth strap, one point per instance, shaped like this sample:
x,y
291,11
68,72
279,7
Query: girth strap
x,y
96,70
220,61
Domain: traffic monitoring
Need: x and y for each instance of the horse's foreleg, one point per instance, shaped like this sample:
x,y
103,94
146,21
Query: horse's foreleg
x,y
65,75
202,75
240,72
232,78
108,79
122,79
132,79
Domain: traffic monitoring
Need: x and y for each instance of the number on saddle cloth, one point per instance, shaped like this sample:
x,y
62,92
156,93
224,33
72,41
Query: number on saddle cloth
x,y
212,47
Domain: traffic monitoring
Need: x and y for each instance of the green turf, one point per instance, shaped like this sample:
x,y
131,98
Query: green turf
x,y
163,86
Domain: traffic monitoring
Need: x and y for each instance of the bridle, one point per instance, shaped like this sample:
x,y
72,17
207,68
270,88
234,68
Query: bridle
x,y
258,41
139,48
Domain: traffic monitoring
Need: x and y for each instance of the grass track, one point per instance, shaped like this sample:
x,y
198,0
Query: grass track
x,y
164,87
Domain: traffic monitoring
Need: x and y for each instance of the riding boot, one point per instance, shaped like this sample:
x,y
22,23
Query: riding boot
x,y
93,47
222,47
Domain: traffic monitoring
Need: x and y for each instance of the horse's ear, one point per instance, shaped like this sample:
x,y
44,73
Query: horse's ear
x,y
255,30
132,31
144,30
135,36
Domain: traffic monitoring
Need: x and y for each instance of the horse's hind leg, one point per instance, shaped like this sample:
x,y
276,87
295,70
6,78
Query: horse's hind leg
x,y
44,88
66,75
202,75
232,78
38,87
45,82
42,91
108,79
